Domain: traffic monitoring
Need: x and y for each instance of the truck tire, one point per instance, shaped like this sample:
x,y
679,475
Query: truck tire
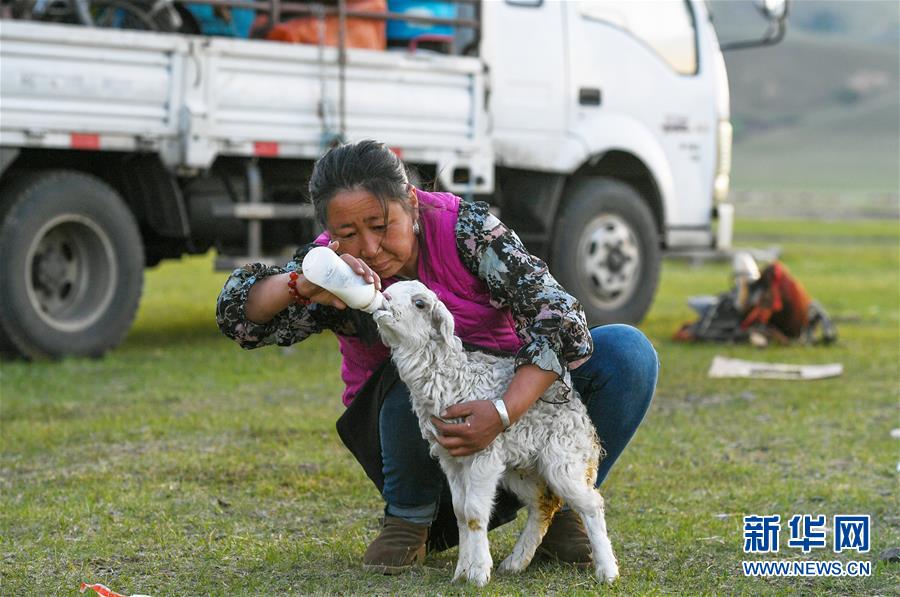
x,y
606,250
8,350
71,265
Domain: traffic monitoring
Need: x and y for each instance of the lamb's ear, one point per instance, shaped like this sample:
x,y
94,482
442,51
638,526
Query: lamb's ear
x,y
442,322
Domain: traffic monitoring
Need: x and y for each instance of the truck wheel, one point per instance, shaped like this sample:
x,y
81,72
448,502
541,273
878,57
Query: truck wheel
x,y
71,265
606,250
8,350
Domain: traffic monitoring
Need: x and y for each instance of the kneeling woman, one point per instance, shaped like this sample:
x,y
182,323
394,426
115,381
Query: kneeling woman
x,y
502,299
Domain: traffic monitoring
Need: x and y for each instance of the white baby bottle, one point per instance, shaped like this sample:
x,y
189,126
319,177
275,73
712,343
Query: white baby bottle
x,y
325,268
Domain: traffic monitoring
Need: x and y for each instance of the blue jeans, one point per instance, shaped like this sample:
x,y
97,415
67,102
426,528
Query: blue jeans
x,y
616,384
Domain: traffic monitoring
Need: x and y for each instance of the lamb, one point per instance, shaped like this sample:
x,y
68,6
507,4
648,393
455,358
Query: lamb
x,y
549,456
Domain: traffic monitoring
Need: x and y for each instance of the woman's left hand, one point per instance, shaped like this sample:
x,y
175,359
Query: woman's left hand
x,y
481,425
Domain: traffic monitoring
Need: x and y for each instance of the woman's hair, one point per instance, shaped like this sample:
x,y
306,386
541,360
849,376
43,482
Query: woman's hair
x,y
367,165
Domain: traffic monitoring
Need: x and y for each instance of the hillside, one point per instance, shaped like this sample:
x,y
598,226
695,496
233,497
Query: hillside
x,y
780,85
819,112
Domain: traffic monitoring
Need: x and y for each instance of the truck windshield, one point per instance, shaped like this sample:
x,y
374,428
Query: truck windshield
x,y
667,27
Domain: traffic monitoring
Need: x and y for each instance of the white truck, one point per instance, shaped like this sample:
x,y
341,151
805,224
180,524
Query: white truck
x,y
598,129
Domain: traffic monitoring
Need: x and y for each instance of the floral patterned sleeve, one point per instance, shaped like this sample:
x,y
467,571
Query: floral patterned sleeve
x,y
549,320
294,324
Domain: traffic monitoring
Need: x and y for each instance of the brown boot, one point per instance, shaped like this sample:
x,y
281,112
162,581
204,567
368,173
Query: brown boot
x,y
399,546
566,540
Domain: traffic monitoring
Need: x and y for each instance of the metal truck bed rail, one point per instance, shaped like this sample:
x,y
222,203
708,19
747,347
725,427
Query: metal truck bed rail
x,y
192,98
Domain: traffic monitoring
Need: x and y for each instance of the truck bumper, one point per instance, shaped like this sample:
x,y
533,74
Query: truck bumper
x,y
704,236
725,230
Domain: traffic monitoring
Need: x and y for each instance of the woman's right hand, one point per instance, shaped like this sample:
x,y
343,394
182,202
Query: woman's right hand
x,y
317,294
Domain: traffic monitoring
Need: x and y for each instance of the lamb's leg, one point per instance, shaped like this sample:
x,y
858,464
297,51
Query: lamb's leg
x,y
579,493
480,481
542,505
458,492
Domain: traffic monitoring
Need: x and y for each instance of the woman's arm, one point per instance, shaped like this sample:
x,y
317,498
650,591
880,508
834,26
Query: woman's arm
x,y
255,308
267,298
270,296
285,326
482,421
550,320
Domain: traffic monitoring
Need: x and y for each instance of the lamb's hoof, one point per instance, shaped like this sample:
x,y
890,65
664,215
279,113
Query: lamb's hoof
x,y
607,574
479,575
512,565
459,575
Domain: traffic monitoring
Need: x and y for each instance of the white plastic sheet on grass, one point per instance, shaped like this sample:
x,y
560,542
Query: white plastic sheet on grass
x,y
725,367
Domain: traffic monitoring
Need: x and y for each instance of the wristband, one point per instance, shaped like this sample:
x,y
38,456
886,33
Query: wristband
x,y
292,289
501,410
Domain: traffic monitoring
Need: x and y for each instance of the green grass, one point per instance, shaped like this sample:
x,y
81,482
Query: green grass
x,y
180,464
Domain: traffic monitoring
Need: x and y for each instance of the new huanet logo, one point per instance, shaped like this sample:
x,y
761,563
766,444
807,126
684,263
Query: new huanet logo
x,y
850,532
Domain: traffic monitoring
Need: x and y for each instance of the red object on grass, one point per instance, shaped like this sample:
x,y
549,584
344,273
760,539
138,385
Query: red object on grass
x,y
784,303
105,591
102,590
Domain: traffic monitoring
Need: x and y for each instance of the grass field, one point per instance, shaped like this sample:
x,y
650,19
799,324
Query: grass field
x,y
180,464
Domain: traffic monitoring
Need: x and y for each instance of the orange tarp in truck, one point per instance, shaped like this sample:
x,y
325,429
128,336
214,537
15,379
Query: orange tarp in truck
x,y
361,33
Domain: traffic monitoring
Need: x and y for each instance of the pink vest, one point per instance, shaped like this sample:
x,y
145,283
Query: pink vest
x,y
441,270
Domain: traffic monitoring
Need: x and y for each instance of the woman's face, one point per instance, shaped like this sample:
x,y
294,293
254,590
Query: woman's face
x,y
356,220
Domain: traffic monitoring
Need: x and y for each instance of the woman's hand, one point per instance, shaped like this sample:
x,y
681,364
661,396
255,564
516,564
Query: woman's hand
x,y
317,294
480,426
482,421
358,265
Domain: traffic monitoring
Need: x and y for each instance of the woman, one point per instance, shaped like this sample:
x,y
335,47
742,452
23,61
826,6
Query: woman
x,y
502,299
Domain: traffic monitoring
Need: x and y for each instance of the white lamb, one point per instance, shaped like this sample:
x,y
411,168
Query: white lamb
x,y
550,455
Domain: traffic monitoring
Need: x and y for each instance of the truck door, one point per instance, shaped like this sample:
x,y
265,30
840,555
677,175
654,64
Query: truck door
x,y
643,67
524,48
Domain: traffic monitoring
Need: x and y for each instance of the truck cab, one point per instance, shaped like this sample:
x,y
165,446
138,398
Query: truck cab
x,y
622,126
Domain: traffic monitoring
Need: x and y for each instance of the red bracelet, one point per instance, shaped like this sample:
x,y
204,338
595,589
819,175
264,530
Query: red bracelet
x,y
292,289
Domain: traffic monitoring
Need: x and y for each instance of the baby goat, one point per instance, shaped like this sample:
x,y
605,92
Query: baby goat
x,y
550,455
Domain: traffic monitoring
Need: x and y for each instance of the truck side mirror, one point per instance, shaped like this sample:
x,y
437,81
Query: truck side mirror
x,y
776,12
773,10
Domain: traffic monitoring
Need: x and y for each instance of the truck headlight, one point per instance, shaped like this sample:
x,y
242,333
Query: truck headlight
x,y
723,162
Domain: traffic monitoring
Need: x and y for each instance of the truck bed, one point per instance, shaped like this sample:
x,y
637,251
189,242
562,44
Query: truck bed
x,y
193,98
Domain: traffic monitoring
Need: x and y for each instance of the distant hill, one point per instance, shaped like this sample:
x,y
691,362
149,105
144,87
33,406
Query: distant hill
x,y
821,111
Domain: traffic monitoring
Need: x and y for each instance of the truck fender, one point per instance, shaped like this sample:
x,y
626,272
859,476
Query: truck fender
x,y
7,156
606,133
155,196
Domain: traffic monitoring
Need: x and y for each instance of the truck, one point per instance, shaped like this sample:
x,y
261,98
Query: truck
x,y
598,130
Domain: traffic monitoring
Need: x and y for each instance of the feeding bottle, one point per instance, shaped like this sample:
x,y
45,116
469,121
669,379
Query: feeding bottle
x,y
323,267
